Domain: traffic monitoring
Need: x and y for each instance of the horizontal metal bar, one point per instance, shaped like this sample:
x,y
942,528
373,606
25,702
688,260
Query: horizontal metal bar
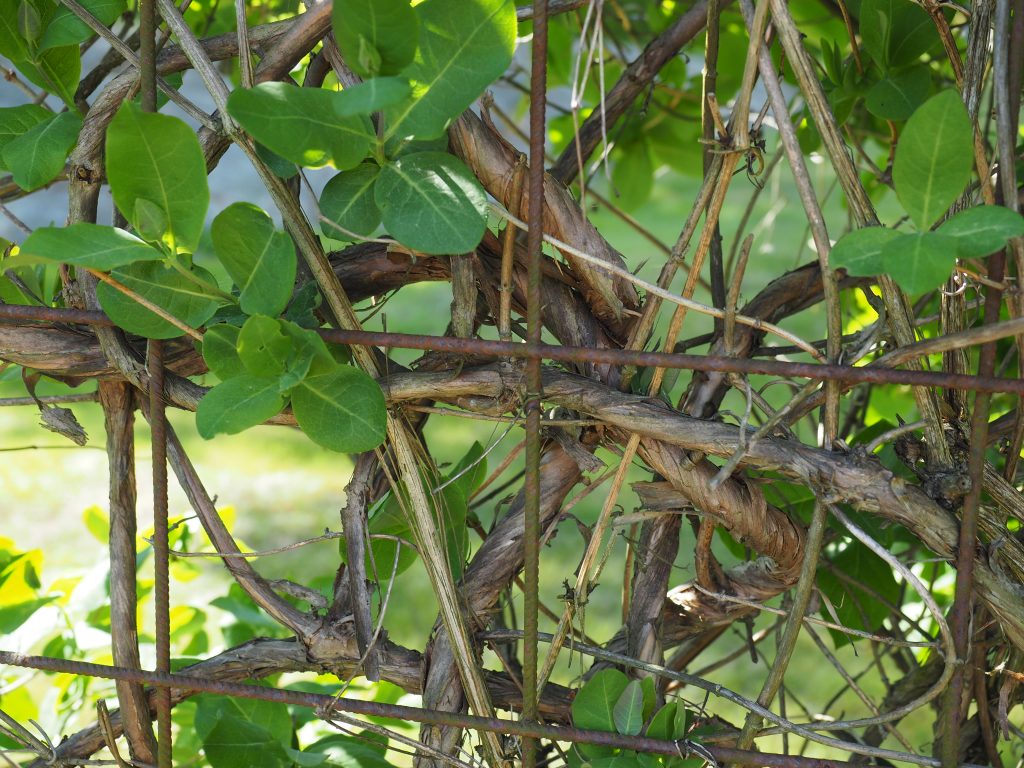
x,y
497,349
324,704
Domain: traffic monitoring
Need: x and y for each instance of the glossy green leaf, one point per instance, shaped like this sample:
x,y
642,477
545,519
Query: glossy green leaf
x,y
12,42
431,202
237,404
302,125
594,705
87,245
628,712
860,252
649,688
37,156
464,46
934,158
895,32
67,29
896,96
982,230
376,37
348,203
55,70
919,262
180,296
308,343
150,220
158,158
372,96
220,351
273,717
669,722
349,752
236,743
260,260
263,347
342,410
14,121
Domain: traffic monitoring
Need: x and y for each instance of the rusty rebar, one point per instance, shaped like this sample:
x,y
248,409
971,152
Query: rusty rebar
x,y
498,349
161,556
326,704
532,407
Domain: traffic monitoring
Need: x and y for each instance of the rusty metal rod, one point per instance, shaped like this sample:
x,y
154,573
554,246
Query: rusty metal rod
x,y
327,704
859,375
534,386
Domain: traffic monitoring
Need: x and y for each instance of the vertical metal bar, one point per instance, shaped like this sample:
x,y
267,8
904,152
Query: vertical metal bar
x,y
531,538
158,425
161,591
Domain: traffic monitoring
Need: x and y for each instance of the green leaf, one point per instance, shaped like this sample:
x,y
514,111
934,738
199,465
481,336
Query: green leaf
x,y
37,156
237,404
376,37
87,245
896,96
272,717
151,221
633,175
860,252
303,305
349,752
13,616
263,347
12,43
470,471
431,202
982,230
260,259
919,262
669,723
594,705
301,124
895,32
67,29
30,23
464,46
236,743
14,121
342,410
55,70
97,522
855,607
182,297
650,692
371,96
388,519
307,343
348,201
158,158
628,712
220,351
934,158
